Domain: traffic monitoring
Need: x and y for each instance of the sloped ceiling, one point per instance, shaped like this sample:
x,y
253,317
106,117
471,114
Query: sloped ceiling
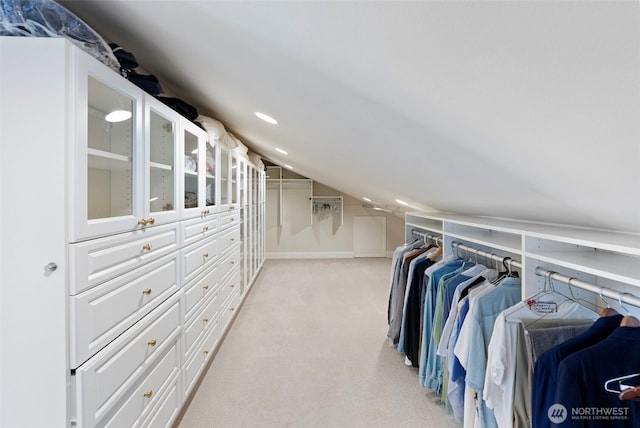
x,y
526,110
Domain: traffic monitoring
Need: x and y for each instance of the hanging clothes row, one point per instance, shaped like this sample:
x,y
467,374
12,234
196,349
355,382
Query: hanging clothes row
x,y
497,360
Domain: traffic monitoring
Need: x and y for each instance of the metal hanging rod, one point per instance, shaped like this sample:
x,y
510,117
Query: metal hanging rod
x,y
507,261
427,237
601,291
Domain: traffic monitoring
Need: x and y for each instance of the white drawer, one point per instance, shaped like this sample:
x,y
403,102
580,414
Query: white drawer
x,y
228,219
99,260
201,323
229,284
197,257
228,239
167,409
199,289
229,309
201,354
197,229
228,262
102,381
102,313
142,398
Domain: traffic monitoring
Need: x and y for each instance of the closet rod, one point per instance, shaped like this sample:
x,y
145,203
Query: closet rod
x,y
601,291
507,261
426,236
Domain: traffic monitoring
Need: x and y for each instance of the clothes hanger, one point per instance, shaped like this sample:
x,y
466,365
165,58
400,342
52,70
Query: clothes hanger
x,y
608,311
628,320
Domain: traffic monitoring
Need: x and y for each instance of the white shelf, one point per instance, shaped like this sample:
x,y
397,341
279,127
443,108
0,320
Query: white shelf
x,y
160,166
192,173
99,159
486,240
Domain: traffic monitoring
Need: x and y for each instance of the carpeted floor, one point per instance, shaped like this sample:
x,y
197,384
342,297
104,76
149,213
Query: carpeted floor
x,y
309,349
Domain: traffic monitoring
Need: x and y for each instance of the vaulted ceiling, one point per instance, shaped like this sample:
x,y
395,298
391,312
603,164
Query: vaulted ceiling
x,y
518,109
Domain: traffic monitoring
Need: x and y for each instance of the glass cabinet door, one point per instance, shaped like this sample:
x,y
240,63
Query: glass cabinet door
x,y
234,179
106,178
161,196
210,175
197,167
224,177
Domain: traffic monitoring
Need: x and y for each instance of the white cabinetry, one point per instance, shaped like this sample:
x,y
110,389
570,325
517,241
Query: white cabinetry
x,y
120,244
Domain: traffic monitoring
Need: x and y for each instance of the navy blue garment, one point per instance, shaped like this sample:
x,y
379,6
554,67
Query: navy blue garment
x,y
582,377
546,367
412,317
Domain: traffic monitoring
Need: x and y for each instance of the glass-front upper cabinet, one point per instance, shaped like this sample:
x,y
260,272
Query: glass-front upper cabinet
x,y
234,174
161,183
225,182
199,166
108,184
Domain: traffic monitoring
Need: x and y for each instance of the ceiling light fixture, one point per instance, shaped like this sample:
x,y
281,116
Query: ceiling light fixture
x,y
266,118
117,116
288,166
366,199
281,151
402,202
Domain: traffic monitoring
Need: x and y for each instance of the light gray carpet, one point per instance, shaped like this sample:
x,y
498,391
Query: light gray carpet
x,y
309,349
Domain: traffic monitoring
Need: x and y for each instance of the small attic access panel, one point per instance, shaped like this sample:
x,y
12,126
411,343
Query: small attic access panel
x,y
321,207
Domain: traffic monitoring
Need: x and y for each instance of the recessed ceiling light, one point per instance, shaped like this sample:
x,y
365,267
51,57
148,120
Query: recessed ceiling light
x,y
266,118
281,151
366,199
401,202
117,116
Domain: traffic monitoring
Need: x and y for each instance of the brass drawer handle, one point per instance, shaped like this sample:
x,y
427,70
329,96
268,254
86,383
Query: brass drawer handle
x,y
205,352
146,291
233,285
205,255
231,309
151,220
148,394
206,287
205,320
233,262
152,342
146,221
204,229
146,247
233,239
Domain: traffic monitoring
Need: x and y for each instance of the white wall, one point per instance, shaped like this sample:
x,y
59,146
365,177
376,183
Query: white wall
x,y
301,236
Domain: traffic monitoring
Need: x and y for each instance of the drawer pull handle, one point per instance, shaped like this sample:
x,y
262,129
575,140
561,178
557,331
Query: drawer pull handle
x,y
204,229
206,287
231,309
146,247
152,342
231,219
205,352
146,291
233,239
205,320
205,255
146,221
233,262
233,285
205,212
148,394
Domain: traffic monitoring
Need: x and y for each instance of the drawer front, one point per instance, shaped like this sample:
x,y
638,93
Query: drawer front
x,y
146,394
99,260
197,229
201,354
196,257
103,380
228,262
165,413
228,219
101,314
199,290
229,284
229,309
201,323
228,238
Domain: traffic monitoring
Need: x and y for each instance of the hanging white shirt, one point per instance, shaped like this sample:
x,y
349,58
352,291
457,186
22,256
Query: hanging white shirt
x,y
501,360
